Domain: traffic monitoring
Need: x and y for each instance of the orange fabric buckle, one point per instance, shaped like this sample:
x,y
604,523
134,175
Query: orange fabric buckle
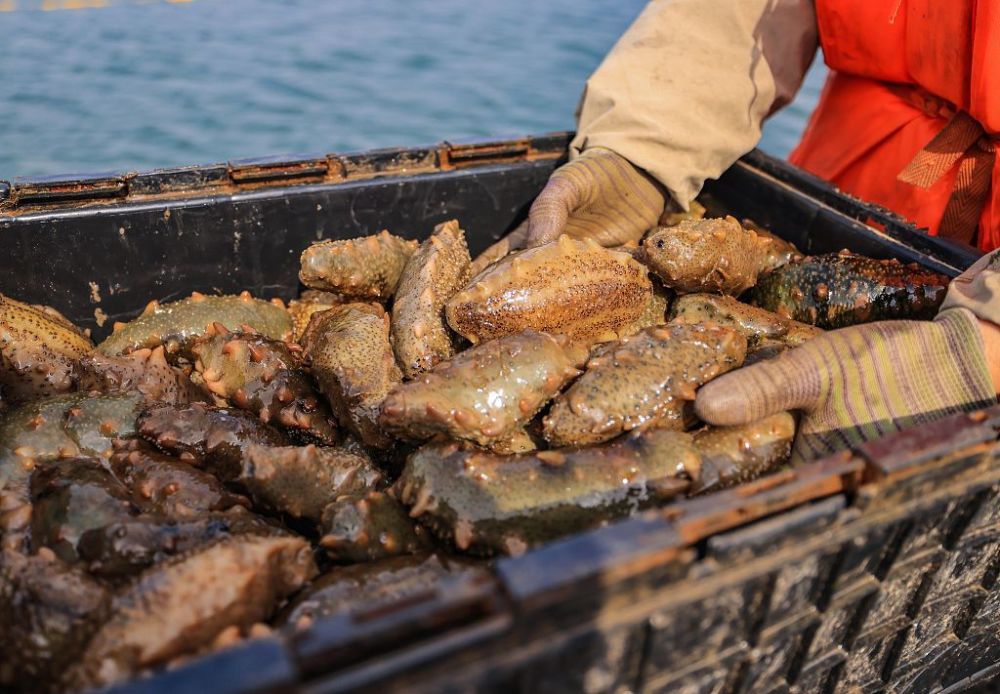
x,y
961,142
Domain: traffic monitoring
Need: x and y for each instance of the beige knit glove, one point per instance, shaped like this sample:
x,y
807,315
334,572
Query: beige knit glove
x,y
598,195
860,383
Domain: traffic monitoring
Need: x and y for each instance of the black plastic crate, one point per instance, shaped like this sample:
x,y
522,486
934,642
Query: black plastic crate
x,y
865,571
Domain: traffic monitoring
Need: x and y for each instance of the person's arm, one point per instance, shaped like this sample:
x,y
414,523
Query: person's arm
x,y
684,92
679,98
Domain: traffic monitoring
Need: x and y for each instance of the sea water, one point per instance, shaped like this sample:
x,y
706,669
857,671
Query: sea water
x,y
134,86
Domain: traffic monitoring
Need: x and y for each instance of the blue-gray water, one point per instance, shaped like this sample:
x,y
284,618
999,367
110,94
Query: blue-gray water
x,y
141,86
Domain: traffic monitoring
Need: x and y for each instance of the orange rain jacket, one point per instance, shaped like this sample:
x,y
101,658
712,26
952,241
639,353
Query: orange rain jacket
x,y
910,114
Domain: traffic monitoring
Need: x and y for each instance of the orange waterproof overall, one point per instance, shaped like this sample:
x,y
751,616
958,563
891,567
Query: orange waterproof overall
x,y
910,115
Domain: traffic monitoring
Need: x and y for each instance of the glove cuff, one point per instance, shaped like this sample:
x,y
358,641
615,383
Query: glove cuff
x,y
895,375
963,341
635,176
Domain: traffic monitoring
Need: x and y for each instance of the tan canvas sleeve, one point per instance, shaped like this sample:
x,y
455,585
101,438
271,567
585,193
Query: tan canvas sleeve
x,y
978,289
683,93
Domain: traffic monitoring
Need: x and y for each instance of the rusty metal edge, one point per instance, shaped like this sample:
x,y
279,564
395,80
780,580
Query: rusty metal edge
x,y
901,454
692,586
874,468
35,194
44,190
702,517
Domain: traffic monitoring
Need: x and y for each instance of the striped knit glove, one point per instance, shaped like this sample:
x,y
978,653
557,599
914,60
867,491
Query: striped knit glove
x,y
860,383
598,195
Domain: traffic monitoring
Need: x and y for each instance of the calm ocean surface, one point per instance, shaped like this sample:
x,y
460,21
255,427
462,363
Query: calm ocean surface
x,y
150,85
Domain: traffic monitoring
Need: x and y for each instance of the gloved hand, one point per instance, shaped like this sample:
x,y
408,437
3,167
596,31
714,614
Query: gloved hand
x,y
599,195
859,383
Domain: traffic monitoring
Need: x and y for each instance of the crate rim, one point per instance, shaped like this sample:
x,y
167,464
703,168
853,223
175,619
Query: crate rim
x,y
870,472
